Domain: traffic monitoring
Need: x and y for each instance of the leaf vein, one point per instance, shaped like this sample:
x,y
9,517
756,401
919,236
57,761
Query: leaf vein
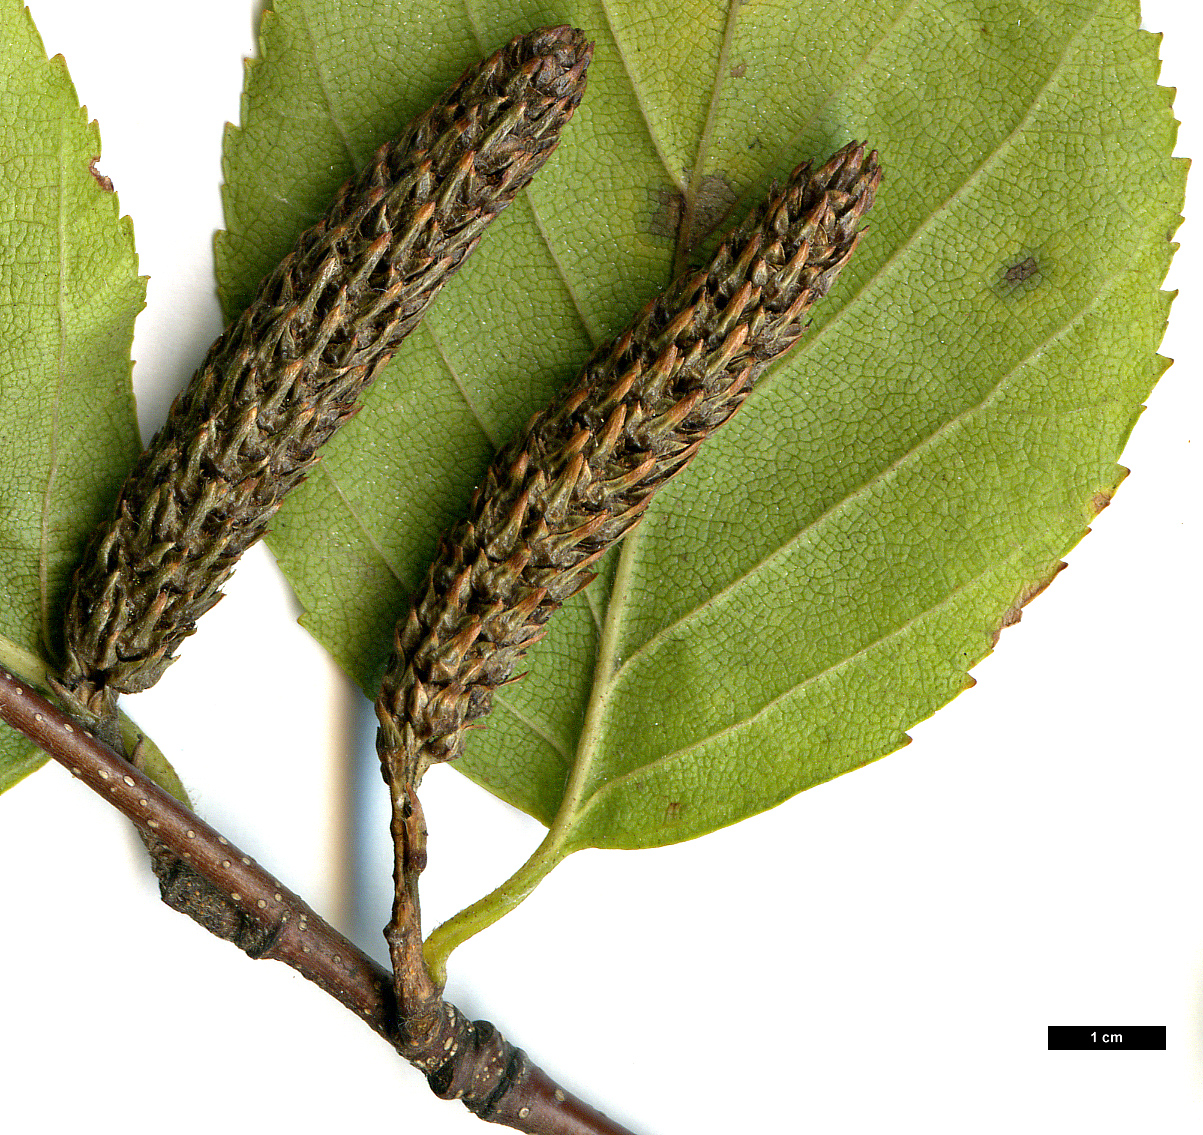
x,y
677,179
685,228
892,262
324,87
530,201
884,474
620,780
367,534
539,729
493,441
576,786
593,335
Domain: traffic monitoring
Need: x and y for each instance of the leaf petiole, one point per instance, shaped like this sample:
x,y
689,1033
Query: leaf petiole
x,y
555,847
495,905
150,759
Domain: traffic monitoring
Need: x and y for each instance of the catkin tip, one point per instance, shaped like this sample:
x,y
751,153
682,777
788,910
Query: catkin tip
x,y
560,56
290,370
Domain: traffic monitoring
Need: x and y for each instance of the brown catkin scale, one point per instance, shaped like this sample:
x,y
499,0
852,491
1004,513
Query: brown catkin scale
x,y
582,472
290,370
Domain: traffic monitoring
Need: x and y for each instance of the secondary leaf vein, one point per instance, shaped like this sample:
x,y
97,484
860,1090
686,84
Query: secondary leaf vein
x,y
493,441
883,475
530,201
367,534
538,729
809,680
56,410
593,336
676,178
892,262
323,86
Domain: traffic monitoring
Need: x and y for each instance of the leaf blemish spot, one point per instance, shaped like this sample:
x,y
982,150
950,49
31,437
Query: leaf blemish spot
x,y
665,206
1024,270
715,197
1020,275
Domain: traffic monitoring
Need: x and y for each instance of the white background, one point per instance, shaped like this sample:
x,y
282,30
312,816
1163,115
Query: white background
x,y
890,947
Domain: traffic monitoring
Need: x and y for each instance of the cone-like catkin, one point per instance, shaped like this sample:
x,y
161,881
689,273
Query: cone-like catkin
x,y
290,370
582,472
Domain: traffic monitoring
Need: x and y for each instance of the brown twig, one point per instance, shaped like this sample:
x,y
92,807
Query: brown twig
x,y
279,925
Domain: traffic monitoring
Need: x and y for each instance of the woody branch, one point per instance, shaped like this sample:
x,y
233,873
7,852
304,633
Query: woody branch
x,y
279,924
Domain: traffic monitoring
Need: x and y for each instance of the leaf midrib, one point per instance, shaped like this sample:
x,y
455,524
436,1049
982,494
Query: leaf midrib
x,y
56,410
587,754
925,443
884,474
606,660
579,772
698,173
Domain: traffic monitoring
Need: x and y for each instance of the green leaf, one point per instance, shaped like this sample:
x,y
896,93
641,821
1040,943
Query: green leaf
x,y
69,292
835,561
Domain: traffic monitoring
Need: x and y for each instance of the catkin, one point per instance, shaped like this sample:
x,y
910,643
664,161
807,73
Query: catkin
x,y
582,472
288,372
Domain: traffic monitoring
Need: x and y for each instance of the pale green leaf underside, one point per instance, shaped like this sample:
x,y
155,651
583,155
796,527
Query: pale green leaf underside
x,y
837,558
69,292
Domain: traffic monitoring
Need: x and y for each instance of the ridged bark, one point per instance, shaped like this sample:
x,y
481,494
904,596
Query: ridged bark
x,y
290,370
495,1081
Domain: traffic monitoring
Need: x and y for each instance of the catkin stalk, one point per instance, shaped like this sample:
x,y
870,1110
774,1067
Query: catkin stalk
x,y
291,369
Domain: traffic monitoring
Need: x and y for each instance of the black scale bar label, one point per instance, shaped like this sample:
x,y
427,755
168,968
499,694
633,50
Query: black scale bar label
x,y
1079,1037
